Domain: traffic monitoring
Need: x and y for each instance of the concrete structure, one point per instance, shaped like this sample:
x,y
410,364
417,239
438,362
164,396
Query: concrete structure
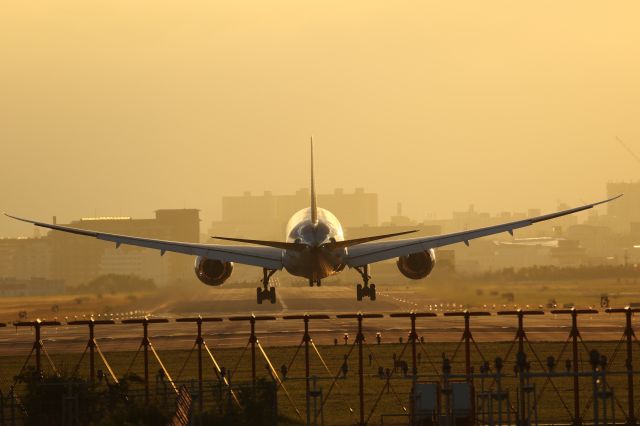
x,y
78,260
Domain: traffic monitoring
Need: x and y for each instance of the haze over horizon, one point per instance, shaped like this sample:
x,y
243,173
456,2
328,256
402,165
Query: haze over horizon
x,y
120,108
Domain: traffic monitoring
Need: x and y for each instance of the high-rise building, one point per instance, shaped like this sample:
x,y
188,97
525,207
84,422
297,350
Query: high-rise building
x,y
266,215
626,210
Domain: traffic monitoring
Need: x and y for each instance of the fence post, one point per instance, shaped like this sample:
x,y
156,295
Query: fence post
x,y
629,335
522,417
37,344
91,344
306,339
199,344
575,335
467,337
253,340
145,345
360,342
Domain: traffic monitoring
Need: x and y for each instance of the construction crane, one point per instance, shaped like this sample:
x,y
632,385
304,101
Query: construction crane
x,y
629,150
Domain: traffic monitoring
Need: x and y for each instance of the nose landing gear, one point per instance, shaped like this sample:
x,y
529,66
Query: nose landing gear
x,y
366,290
266,292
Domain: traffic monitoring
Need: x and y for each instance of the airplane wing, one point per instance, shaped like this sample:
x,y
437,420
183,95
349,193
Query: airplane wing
x,y
371,252
265,257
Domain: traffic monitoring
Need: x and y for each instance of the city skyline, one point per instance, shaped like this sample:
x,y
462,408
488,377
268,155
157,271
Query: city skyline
x,y
390,207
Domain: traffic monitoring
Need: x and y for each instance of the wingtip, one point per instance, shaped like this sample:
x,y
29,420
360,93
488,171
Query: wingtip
x,y
18,218
608,200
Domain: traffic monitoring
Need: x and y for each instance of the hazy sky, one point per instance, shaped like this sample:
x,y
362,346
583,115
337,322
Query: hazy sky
x,y
120,107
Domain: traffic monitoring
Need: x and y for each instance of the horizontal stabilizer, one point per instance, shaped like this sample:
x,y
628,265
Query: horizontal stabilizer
x,y
356,241
276,244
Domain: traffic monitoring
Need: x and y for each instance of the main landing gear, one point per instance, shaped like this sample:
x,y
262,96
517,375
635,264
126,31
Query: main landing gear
x,y
316,282
366,290
266,292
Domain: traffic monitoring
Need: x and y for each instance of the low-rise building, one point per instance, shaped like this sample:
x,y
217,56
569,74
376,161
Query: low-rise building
x,y
15,287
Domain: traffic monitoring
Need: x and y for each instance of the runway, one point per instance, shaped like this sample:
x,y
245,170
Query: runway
x,y
330,300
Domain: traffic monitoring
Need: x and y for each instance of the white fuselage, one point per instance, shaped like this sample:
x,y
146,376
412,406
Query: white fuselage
x,y
315,261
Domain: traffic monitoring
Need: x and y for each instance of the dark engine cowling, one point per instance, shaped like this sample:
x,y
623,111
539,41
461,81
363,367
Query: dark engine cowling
x,y
212,272
417,265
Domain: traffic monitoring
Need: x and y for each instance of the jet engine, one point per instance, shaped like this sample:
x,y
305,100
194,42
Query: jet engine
x,y
212,272
417,265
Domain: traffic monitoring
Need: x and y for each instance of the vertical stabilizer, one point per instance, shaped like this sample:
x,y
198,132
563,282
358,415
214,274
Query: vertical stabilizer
x,y
314,204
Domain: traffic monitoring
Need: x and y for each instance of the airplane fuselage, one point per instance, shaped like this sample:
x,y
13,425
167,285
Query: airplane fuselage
x,y
315,261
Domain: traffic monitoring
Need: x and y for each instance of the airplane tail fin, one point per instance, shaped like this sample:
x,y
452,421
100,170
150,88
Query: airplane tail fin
x,y
314,204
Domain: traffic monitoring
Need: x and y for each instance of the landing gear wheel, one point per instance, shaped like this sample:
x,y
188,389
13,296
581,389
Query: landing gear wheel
x,y
365,290
310,282
319,283
267,292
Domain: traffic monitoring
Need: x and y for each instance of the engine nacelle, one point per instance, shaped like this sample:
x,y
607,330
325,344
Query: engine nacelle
x,y
212,272
417,265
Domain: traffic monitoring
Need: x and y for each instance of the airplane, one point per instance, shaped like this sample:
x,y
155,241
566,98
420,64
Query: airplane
x,y
315,248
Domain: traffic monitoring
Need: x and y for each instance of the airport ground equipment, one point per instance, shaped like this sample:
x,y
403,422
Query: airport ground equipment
x,y
199,344
38,346
146,344
253,343
425,403
467,337
575,337
522,414
253,340
92,347
360,339
629,337
413,338
306,341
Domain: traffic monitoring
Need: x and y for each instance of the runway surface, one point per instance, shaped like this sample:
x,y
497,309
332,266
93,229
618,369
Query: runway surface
x,y
330,300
